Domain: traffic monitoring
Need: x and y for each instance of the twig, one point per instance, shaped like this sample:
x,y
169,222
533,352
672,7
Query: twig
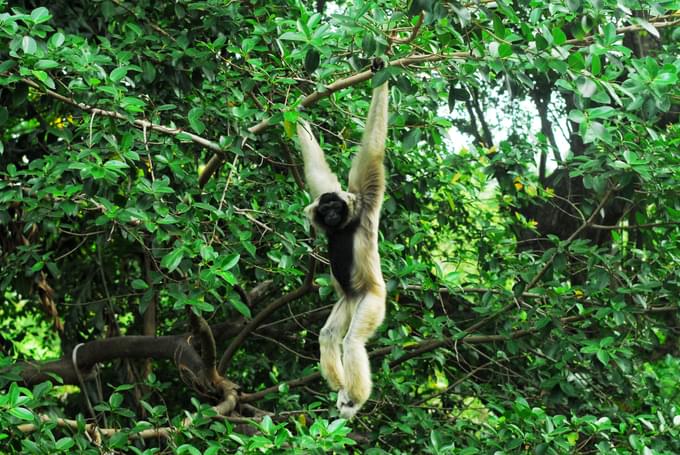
x,y
414,32
417,287
627,28
214,163
303,289
548,262
112,114
162,432
635,226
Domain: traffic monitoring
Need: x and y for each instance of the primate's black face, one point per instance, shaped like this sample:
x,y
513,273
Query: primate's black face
x,y
331,212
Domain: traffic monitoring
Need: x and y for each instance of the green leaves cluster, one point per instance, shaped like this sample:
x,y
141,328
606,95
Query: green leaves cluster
x,y
101,217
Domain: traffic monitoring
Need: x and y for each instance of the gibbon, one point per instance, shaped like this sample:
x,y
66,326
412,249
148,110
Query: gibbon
x,y
350,221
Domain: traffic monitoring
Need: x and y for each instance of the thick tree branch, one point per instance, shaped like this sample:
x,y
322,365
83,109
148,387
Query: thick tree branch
x,y
175,348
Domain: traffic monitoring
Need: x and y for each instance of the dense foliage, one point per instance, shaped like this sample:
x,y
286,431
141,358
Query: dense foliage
x,y
150,187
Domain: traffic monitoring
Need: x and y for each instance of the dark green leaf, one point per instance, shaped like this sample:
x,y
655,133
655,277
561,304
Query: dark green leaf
x,y
312,59
172,260
194,116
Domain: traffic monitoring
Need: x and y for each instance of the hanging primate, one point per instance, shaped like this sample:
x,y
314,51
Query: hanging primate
x,y
350,221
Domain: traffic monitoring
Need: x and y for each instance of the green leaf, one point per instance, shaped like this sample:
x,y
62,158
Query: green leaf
x,y
172,260
603,357
138,284
577,116
664,79
595,64
46,64
576,61
231,261
40,15
504,50
312,59
21,413
368,44
57,40
411,139
195,115
43,77
148,72
293,36
64,443
116,165
498,27
594,131
586,87
118,74
115,400
558,36
28,45
380,77
647,26
601,112
241,308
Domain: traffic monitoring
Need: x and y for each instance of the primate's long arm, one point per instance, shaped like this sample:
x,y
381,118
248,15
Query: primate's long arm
x,y
318,175
367,176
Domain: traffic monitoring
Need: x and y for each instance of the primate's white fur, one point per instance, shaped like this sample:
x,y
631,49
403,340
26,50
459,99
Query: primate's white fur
x,y
357,314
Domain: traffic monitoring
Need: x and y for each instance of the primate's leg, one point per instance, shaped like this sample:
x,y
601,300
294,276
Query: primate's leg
x,y
357,386
330,339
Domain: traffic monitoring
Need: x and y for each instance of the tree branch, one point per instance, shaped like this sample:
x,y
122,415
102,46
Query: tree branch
x,y
634,226
216,160
430,345
414,32
304,288
143,124
175,348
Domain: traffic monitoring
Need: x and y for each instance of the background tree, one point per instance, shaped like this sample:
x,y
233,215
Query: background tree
x,y
152,239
